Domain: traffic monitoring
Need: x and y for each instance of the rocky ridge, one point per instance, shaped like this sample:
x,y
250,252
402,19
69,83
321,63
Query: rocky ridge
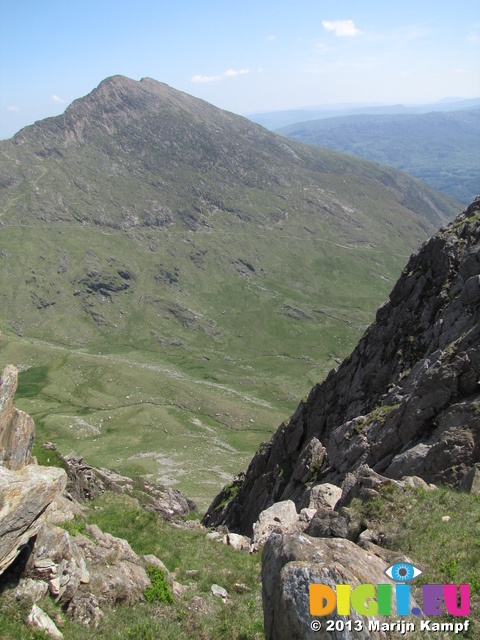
x,y
406,401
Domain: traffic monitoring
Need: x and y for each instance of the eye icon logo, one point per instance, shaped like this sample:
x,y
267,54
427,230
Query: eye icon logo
x,y
403,572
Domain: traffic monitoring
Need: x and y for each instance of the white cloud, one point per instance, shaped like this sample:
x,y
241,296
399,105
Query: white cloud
x,y
271,37
341,28
229,73
260,70
13,108
58,100
198,79
461,72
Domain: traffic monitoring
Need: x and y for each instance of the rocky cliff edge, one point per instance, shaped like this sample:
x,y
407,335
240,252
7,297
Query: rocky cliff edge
x,y
405,402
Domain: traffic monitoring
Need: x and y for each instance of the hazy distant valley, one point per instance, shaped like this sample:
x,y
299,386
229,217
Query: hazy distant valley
x,y
175,278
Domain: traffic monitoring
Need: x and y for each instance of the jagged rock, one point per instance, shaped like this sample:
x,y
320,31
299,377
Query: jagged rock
x,y
213,535
365,484
32,590
324,496
24,497
17,430
63,508
470,483
84,607
38,619
279,518
56,553
405,402
86,483
328,524
291,562
237,542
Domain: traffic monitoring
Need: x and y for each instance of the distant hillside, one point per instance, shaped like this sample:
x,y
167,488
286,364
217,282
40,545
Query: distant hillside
x,y
174,276
442,149
273,120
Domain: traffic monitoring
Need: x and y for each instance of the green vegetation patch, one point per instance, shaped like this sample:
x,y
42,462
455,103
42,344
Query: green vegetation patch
x,y
159,590
31,381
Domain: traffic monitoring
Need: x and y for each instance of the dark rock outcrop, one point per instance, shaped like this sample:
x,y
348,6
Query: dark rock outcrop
x,y
406,401
87,483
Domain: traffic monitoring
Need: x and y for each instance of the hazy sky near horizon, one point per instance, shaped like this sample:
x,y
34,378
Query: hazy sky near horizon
x,y
242,56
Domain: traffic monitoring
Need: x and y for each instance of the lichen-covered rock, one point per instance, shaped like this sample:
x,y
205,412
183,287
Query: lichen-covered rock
x,y
279,518
24,498
324,496
17,429
291,562
68,568
30,590
39,620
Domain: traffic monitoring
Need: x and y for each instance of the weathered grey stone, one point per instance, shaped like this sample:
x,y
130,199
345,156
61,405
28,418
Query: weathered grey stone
x,y
86,483
17,430
25,495
328,524
279,518
237,542
470,483
364,484
55,545
216,590
84,607
213,535
324,495
38,619
32,590
416,483
291,562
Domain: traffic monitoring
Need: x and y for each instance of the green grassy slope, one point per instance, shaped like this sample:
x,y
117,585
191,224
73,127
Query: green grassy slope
x,y
173,277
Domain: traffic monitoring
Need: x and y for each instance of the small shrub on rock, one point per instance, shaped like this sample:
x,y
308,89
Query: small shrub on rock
x,y
159,590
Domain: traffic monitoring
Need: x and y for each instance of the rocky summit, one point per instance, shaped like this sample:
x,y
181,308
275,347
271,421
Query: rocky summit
x,y
405,402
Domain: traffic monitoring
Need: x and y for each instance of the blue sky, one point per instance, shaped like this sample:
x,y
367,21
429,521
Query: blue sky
x,y
246,56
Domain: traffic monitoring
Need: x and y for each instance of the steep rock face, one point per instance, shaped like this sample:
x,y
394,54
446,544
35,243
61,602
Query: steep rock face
x,y
405,402
17,430
24,498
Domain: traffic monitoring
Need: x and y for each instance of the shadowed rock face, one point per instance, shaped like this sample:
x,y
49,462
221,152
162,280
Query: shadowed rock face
x,y
406,402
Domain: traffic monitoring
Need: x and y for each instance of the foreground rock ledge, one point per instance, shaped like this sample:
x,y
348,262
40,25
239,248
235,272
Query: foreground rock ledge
x,y
291,562
24,497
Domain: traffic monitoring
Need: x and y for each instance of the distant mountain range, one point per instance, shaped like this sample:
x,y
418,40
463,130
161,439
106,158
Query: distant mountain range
x,y
173,276
276,119
440,148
